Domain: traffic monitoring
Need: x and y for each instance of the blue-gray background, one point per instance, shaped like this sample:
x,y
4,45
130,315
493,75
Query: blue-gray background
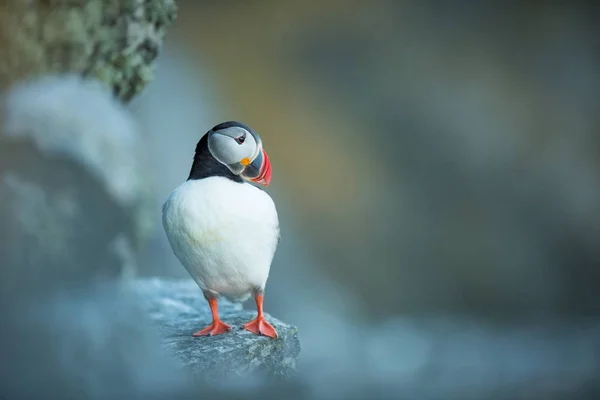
x,y
437,174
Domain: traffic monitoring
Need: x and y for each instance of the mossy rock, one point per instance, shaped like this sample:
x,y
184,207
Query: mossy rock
x,y
115,41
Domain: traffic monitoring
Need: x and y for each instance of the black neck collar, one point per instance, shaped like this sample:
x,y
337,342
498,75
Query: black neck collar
x,y
206,166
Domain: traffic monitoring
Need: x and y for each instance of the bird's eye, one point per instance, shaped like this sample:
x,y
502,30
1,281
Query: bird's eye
x,y
240,139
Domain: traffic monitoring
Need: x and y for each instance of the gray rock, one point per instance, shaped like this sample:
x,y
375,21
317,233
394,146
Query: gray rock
x,y
73,195
179,309
93,342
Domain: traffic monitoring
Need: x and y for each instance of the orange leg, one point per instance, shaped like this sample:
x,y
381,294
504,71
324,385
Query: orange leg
x,y
259,325
217,327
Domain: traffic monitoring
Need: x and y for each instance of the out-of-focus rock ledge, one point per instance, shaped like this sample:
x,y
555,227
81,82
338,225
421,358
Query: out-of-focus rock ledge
x,y
179,309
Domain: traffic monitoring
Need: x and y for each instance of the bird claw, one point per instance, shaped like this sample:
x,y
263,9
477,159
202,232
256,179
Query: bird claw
x,y
216,328
260,326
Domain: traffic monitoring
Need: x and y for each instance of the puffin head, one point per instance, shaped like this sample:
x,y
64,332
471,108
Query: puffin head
x,y
240,149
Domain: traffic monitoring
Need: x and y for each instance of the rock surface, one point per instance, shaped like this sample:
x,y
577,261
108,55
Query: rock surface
x,y
73,196
179,309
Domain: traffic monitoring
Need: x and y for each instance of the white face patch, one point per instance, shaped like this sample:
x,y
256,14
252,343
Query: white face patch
x,y
224,147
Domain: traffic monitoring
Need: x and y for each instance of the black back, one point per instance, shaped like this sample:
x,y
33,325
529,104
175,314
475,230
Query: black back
x,y
205,165
230,124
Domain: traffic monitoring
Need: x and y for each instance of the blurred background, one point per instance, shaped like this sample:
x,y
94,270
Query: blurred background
x,y
436,171
436,168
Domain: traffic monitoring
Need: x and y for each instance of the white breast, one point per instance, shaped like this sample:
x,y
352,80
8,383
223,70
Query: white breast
x,y
224,233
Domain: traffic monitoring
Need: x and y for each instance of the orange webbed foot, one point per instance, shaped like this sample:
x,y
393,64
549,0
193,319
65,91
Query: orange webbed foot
x,y
260,326
216,328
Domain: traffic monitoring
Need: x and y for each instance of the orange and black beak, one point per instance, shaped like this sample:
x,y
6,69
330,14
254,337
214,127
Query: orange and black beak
x,y
259,170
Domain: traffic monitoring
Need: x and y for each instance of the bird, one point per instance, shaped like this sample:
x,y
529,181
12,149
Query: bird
x,y
222,227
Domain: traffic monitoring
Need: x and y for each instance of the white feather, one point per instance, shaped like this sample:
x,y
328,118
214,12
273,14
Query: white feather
x,y
225,149
224,233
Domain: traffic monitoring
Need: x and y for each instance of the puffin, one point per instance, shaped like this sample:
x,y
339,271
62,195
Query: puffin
x,y
222,227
